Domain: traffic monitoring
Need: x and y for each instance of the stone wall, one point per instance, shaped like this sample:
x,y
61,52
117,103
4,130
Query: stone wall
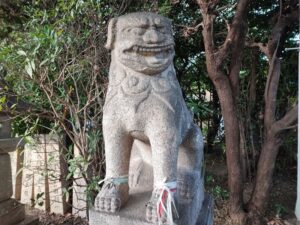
x,y
42,179
79,201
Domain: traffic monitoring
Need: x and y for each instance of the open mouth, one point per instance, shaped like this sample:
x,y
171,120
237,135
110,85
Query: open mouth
x,y
153,55
146,50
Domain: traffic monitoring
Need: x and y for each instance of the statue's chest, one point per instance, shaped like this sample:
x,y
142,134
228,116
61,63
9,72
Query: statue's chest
x,y
134,90
134,85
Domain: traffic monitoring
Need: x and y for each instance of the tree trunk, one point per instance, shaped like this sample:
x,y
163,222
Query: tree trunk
x,y
273,127
243,149
265,169
264,177
235,181
226,87
253,136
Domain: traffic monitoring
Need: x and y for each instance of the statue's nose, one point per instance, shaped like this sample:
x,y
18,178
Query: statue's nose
x,y
153,37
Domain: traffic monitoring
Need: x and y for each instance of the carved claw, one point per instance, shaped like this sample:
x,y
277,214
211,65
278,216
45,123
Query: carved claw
x,y
151,211
112,197
108,204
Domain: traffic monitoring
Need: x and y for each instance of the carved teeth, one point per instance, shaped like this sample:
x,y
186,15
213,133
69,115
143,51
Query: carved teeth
x,y
140,49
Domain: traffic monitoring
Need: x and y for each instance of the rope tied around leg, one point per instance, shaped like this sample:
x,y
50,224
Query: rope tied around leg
x,y
166,202
111,197
115,180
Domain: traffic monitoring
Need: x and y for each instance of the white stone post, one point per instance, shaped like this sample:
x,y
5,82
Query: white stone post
x,y
297,211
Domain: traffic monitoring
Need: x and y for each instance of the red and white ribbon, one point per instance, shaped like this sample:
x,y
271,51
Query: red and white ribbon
x,y
166,201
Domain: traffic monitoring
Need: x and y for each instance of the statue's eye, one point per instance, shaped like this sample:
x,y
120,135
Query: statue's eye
x,y
136,30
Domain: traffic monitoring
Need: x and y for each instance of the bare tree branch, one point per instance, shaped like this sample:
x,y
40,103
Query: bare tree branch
x,y
236,30
288,121
262,47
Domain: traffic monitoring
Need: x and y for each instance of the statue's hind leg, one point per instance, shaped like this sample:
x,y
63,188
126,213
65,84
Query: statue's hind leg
x,y
191,150
190,165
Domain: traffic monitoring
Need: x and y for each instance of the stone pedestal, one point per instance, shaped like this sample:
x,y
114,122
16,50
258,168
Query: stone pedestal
x,y
31,216
6,190
196,209
11,212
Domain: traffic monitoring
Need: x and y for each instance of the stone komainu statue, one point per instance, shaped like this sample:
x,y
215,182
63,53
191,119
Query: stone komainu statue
x,y
144,104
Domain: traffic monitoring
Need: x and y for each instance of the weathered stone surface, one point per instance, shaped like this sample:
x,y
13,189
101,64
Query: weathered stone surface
x,y
44,152
11,212
5,126
145,118
206,215
29,220
10,144
31,216
79,201
6,189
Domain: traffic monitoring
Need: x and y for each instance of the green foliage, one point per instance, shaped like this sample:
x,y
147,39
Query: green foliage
x,y
279,210
212,185
220,193
39,199
2,102
165,7
58,65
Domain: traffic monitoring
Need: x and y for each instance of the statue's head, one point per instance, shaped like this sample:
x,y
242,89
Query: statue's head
x,y
142,42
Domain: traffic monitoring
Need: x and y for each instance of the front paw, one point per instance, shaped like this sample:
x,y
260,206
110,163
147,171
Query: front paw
x,y
107,204
159,215
151,212
112,197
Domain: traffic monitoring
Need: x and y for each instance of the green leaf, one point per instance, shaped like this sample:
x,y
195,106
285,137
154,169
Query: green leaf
x,y
43,62
69,176
28,69
21,52
32,65
2,99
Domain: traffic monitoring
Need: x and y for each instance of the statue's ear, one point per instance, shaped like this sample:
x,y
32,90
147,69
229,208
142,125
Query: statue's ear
x,y
111,32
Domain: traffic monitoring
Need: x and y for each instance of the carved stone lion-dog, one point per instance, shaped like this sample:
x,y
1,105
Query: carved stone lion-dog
x,y
144,102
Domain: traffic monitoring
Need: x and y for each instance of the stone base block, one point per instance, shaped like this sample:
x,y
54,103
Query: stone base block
x,y
31,216
134,213
6,189
11,212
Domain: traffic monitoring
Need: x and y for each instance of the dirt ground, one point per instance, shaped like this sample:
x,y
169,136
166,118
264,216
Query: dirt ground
x,y
56,219
280,212
282,199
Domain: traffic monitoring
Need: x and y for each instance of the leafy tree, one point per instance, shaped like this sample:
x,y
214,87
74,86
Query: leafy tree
x,y
224,58
56,62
